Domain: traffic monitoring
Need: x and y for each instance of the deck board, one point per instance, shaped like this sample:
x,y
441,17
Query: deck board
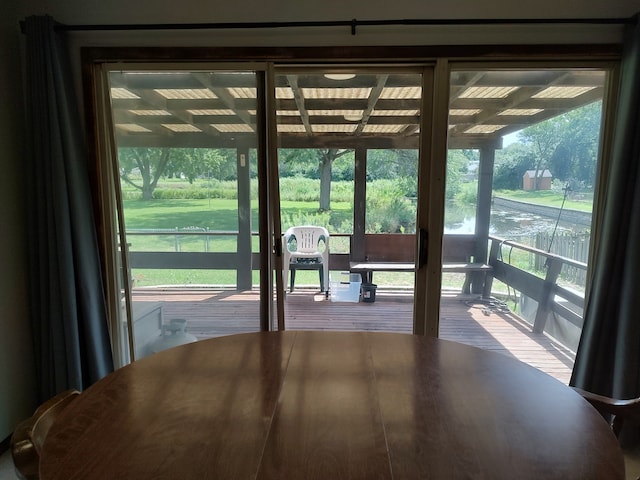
x,y
465,319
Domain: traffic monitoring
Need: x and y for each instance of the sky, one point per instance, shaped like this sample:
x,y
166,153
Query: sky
x,y
509,139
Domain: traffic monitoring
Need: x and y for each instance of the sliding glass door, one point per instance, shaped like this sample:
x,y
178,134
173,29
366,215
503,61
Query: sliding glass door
x,y
524,151
186,152
405,173
348,156
204,209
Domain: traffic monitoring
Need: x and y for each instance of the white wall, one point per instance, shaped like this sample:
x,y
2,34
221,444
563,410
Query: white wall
x,y
16,365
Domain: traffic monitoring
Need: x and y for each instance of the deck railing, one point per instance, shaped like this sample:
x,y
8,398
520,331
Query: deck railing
x,y
197,248
194,248
543,286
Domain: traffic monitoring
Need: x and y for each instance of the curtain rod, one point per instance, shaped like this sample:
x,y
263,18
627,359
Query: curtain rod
x,y
352,24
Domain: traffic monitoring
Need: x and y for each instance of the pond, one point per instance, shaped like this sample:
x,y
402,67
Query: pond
x,y
512,224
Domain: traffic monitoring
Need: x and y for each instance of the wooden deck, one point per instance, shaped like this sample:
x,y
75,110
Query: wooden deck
x,y
464,319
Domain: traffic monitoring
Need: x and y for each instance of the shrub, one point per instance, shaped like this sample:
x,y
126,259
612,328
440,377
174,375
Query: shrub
x,y
467,194
321,219
388,209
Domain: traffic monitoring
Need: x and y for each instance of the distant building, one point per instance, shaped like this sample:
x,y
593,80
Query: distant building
x,y
544,180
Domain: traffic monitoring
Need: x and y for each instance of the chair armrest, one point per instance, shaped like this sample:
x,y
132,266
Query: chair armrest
x,y
286,239
23,452
628,408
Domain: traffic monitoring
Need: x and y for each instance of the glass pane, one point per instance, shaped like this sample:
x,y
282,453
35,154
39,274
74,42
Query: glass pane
x,y
521,168
348,157
392,189
187,163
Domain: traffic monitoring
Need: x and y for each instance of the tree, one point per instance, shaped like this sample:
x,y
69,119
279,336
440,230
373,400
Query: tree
x,y
511,164
306,161
298,162
192,163
189,163
567,144
543,140
391,164
326,158
575,157
151,163
457,168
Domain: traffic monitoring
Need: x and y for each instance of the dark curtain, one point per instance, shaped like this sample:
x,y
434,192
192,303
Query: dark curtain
x,y
68,311
608,357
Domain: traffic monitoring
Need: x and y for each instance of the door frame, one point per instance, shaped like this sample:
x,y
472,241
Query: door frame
x,y
423,318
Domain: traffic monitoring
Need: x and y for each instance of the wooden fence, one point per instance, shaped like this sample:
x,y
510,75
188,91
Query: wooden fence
x,y
568,245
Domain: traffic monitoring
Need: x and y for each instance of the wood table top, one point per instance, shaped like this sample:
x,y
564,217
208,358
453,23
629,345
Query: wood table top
x,y
329,405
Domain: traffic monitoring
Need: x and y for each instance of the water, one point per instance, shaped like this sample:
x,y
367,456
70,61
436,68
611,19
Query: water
x,y
513,224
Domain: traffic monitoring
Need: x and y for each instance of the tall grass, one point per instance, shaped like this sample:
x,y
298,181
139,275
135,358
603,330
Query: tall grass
x,y
294,189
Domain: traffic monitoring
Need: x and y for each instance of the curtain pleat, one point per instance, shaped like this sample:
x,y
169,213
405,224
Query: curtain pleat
x,y
608,357
68,311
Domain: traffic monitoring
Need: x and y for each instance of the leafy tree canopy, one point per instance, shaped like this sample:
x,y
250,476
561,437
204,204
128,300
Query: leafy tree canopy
x,y
151,164
567,145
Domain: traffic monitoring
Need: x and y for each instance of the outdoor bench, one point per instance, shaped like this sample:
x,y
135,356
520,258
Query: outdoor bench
x,y
396,253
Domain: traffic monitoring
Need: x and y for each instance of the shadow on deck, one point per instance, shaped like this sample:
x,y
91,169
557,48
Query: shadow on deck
x,y
464,319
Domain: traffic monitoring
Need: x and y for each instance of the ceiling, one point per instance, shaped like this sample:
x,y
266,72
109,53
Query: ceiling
x,y
314,109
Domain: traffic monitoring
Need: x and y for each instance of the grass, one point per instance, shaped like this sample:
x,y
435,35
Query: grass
x,y
549,198
144,277
214,214
211,214
190,215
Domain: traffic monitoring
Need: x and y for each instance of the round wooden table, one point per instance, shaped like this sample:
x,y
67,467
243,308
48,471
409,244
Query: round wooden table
x,y
329,405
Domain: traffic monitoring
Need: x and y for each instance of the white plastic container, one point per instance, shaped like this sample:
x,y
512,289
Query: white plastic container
x,y
346,288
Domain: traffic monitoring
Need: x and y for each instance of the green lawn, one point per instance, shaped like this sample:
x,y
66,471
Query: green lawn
x,y
212,215
190,216
216,213
221,214
582,202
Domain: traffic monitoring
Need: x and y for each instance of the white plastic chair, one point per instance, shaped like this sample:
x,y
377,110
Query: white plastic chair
x,y
303,251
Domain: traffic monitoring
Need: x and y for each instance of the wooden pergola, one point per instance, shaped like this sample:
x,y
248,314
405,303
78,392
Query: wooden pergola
x,y
339,108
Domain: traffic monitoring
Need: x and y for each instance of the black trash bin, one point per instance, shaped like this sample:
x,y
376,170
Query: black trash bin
x,y
369,292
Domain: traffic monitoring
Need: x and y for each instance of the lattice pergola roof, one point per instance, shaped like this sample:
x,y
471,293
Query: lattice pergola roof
x,y
379,110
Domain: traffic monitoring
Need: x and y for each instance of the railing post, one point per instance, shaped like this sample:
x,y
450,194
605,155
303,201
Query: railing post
x,y
493,258
554,266
243,241
356,245
483,213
